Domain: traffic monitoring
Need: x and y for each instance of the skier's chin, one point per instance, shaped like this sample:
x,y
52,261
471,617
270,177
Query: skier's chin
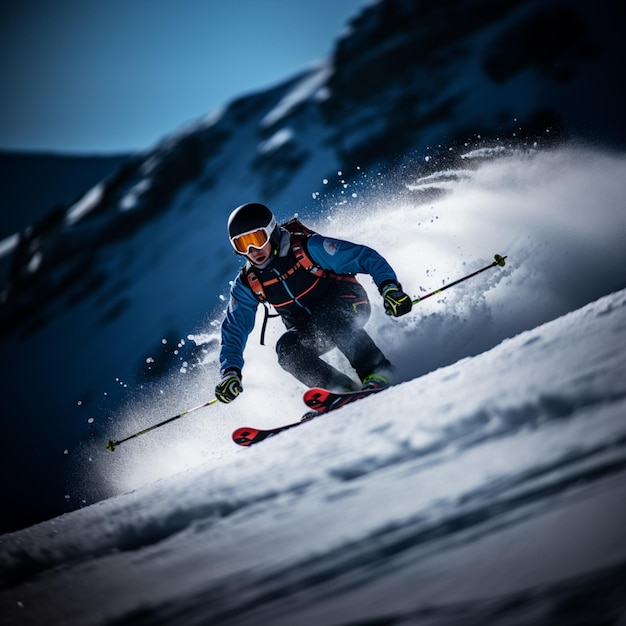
x,y
260,259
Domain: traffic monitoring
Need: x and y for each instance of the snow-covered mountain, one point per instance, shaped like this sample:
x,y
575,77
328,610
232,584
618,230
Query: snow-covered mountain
x,y
110,306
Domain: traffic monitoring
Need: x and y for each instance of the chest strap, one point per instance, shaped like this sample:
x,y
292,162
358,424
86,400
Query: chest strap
x,y
303,260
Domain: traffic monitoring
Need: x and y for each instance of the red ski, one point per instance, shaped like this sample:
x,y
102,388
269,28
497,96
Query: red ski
x,y
323,400
247,435
320,400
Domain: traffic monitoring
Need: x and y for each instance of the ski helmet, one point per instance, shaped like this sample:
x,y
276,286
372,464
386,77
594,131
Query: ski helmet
x,y
251,225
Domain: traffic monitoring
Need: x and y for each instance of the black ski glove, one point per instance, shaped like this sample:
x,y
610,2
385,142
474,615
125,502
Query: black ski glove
x,y
396,302
229,387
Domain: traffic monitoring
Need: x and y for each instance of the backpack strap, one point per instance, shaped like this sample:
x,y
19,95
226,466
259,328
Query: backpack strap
x,y
266,316
298,245
249,277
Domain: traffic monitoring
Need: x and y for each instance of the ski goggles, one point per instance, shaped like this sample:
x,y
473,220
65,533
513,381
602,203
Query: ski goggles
x,y
256,238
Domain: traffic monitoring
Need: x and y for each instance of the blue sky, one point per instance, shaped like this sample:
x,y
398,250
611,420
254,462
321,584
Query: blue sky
x,y
106,76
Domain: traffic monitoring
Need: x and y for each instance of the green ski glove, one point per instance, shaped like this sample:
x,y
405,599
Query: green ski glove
x,y
396,302
229,387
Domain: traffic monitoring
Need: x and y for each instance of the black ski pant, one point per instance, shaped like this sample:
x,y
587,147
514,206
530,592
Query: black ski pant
x,y
336,323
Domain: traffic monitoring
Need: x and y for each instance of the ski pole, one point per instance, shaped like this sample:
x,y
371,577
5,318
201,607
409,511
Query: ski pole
x,y
499,260
111,445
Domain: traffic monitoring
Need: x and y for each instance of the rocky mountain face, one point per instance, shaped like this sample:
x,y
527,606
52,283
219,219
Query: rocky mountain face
x,y
414,75
32,184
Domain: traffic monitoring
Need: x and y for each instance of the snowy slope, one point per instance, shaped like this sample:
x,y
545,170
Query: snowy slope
x,y
489,491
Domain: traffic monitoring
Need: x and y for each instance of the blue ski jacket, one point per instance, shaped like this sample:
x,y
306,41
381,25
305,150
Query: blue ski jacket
x,y
336,255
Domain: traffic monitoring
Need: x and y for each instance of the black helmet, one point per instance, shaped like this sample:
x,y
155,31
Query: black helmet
x,y
251,225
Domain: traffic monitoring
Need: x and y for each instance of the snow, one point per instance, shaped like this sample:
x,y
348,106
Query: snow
x,y
8,244
131,199
278,139
486,487
85,205
500,474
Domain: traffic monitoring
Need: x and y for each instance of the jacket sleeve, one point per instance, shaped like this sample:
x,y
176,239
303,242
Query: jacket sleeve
x,y
344,257
237,325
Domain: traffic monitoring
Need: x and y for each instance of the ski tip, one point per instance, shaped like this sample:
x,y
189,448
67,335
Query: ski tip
x,y
245,435
500,260
314,398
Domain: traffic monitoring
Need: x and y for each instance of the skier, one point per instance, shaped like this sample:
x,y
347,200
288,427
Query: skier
x,y
309,279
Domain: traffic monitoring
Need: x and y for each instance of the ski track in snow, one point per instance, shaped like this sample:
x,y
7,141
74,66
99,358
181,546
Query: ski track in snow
x,y
487,485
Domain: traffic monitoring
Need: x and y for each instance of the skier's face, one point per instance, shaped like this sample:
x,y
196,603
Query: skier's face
x,y
258,256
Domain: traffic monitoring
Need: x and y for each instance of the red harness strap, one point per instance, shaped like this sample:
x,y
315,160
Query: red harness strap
x,y
303,260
